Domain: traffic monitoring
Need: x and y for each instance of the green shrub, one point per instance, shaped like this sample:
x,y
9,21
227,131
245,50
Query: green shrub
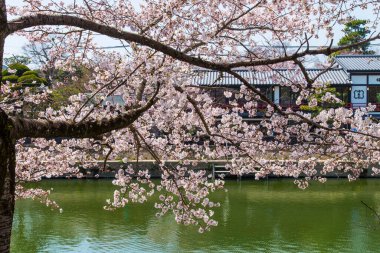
x,y
20,68
10,78
5,72
60,96
17,87
309,109
30,72
20,86
29,79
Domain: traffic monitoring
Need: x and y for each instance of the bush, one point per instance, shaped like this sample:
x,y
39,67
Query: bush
x,y
31,80
20,68
5,72
30,72
19,86
11,78
16,87
310,109
60,96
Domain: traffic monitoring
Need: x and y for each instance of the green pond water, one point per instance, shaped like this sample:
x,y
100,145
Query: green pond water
x,y
255,216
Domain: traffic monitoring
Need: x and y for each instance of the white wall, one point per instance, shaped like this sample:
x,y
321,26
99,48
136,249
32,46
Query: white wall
x,y
374,79
359,79
359,96
359,91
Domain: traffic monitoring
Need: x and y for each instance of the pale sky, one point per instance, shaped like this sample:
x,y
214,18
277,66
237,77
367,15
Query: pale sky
x,y
14,43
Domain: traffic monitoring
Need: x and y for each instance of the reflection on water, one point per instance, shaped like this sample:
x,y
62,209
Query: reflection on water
x,y
264,216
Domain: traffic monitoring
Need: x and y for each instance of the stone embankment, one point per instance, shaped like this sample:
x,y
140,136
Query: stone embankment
x,y
214,169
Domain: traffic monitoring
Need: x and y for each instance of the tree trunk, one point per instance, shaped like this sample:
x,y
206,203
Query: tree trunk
x,y
7,182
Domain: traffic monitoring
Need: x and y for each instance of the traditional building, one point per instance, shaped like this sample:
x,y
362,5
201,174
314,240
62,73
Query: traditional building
x,y
356,79
364,73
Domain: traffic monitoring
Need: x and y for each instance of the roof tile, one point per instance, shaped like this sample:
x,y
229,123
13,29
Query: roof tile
x,y
359,63
273,77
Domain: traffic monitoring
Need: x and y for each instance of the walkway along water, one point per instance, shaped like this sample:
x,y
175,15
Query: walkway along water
x,y
215,168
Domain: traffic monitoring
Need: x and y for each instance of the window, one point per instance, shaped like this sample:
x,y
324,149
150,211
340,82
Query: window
x,y
218,95
373,91
287,96
374,94
343,93
268,92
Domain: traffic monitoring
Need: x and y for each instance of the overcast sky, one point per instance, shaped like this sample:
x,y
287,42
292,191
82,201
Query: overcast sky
x,y
14,44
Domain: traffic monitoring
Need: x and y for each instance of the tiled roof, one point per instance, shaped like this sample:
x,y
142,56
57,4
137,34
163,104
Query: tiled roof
x,y
359,63
273,77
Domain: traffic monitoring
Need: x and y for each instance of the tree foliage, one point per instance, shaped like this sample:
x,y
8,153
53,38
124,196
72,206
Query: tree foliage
x,y
354,32
20,74
19,68
60,95
322,99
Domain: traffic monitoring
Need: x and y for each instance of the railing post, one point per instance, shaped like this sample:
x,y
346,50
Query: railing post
x,y
213,172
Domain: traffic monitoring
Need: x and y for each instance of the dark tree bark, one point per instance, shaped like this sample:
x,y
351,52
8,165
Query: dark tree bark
x,y
7,181
7,156
87,129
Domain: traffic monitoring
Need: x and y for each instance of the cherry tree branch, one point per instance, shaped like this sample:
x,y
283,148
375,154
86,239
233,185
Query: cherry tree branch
x,y
68,20
41,128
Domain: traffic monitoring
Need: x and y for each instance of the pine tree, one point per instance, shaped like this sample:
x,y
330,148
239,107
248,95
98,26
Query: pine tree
x,y
356,31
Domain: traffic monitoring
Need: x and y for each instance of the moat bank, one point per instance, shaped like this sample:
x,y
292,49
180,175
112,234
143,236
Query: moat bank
x,y
214,168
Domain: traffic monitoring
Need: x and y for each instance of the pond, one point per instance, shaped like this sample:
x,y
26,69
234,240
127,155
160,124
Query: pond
x,y
255,216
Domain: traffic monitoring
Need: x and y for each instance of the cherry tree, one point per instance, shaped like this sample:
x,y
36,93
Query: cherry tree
x,y
164,44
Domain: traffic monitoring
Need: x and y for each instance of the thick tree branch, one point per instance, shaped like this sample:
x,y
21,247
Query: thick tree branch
x,y
67,20
49,129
